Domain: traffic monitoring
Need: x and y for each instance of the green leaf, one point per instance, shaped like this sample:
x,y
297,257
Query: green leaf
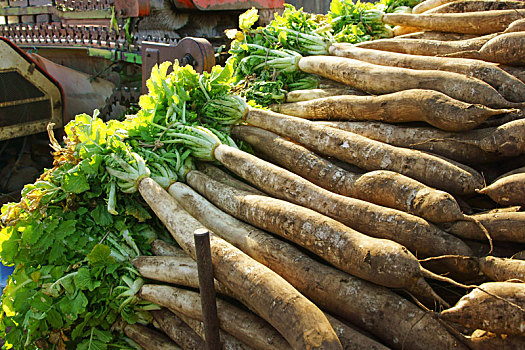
x,y
55,319
9,251
92,344
91,165
101,216
72,307
41,302
101,253
56,255
68,285
75,182
104,336
65,229
83,280
137,211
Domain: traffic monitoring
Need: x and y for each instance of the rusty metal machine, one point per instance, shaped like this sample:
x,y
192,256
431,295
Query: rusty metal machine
x,y
64,57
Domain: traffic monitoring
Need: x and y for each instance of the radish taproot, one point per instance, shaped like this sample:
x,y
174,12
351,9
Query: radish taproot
x,y
434,35
306,95
508,227
484,22
507,49
351,339
472,147
371,78
501,270
330,288
428,5
432,107
221,176
349,147
163,248
177,330
243,325
381,187
426,47
148,338
508,190
477,5
176,270
228,342
386,262
256,286
494,306
507,85
516,26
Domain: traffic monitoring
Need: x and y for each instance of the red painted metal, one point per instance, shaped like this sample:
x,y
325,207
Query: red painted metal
x,y
132,8
183,4
218,5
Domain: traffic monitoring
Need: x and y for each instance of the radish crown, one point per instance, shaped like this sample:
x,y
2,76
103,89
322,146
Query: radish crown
x,y
228,110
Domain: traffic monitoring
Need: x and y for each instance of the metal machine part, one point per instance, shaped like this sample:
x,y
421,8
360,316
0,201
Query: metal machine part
x,y
196,52
29,97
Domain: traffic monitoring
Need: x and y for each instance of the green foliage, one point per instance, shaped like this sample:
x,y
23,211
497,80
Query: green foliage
x,y
70,252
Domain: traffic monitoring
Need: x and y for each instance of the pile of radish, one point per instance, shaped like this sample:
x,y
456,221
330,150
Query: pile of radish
x,y
395,181
380,210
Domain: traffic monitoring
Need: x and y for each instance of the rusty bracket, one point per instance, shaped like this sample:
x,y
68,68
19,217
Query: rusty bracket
x,y
197,52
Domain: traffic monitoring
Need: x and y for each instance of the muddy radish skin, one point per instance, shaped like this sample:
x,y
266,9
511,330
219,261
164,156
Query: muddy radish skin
x,y
376,79
350,338
483,340
221,176
381,187
507,49
411,231
148,338
266,293
484,22
386,262
162,248
306,95
177,330
434,35
516,26
501,270
368,154
426,46
228,342
428,5
508,190
472,147
477,5
176,270
243,325
509,227
393,319
430,106
507,85
479,310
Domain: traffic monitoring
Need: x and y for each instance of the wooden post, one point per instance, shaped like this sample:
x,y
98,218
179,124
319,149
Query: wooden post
x,y
207,289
